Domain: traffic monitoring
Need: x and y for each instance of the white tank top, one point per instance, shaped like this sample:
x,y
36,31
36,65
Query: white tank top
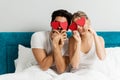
x,y
86,60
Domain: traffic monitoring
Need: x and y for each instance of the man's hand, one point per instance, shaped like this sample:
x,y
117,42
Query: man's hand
x,y
58,38
63,38
55,37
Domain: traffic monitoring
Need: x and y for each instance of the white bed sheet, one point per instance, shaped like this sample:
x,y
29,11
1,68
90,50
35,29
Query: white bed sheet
x,y
34,73
109,69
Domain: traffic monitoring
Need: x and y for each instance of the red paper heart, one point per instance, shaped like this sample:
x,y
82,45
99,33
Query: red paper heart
x,y
56,25
73,26
64,25
81,22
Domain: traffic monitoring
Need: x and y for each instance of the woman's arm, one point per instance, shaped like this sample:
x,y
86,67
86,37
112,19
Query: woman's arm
x,y
100,50
74,49
99,43
74,53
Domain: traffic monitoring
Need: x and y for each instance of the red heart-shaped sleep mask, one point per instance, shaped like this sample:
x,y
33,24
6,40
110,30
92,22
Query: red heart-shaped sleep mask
x,y
56,25
80,22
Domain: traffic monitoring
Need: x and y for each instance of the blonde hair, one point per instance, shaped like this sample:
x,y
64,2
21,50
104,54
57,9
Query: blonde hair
x,y
79,14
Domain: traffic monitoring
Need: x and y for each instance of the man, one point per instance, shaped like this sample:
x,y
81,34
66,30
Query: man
x,y
51,48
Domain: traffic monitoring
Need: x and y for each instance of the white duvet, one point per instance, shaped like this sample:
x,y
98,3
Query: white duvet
x,y
109,69
34,73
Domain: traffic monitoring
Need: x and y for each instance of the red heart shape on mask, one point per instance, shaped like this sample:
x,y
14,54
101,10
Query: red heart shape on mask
x,y
73,26
81,22
55,24
64,25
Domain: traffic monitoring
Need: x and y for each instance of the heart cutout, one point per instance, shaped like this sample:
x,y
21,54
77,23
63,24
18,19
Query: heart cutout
x,y
64,25
81,22
56,25
73,26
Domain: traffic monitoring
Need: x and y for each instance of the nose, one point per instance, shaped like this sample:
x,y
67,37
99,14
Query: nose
x,y
79,27
59,29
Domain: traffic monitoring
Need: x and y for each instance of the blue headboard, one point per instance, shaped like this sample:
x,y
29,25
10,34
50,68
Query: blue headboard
x,y
9,46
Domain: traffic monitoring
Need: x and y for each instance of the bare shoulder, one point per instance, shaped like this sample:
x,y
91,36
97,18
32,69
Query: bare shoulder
x,y
101,39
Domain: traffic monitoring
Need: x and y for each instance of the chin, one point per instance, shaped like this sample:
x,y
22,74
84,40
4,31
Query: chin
x,y
83,32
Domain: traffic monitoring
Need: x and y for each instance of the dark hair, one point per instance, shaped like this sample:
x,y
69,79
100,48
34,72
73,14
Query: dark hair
x,y
63,13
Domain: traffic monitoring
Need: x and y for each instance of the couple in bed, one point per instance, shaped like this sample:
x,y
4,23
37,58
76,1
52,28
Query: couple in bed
x,y
54,50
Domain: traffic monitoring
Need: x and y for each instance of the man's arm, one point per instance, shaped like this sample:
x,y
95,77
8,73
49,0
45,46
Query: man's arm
x,y
45,61
58,42
60,61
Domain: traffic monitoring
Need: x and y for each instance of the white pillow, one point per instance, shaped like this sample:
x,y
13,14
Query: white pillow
x,y
16,61
25,58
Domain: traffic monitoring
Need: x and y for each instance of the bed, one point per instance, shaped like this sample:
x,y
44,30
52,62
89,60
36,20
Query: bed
x,y
9,42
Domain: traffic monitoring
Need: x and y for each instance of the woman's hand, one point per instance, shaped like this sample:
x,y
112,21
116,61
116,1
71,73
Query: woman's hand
x,y
77,37
91,31
99,44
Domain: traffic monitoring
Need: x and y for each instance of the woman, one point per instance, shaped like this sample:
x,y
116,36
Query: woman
x,y
85,44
